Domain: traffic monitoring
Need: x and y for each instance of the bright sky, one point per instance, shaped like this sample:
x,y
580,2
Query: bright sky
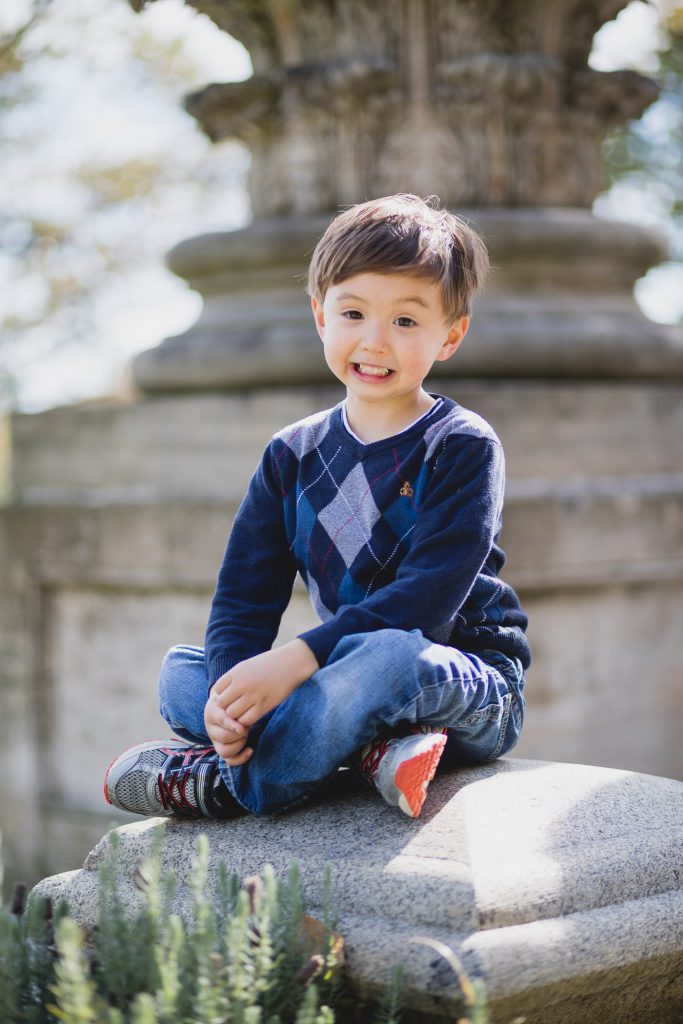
x,y
630,40
99,105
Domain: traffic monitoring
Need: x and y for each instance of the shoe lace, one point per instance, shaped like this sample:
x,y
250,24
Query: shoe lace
x,y
173,783
371,758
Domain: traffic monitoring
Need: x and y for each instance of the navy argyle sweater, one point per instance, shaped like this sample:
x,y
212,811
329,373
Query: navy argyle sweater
x,y
401,533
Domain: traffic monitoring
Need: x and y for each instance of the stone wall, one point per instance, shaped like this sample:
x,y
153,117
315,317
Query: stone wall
x,y
121,513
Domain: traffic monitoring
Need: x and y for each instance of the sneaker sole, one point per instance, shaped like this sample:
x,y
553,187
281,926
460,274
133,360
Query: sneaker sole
x,y
415,774
174,744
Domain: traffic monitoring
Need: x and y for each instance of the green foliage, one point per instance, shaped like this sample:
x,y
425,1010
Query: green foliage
x,y
244,958
391,1006
26,959
648,153
73,989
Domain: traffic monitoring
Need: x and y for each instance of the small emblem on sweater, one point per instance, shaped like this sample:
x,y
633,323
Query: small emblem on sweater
x,y
406,491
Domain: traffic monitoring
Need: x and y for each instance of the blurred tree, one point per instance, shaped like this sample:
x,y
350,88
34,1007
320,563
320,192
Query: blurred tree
x,y
647,156
102,172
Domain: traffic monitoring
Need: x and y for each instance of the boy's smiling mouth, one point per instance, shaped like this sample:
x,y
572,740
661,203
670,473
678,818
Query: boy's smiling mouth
x,y
368,370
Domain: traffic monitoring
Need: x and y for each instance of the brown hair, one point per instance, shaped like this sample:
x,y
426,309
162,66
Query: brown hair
x,y
402,234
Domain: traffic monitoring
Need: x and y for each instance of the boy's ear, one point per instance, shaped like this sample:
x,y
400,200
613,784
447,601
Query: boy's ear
x,y
318,316
455,335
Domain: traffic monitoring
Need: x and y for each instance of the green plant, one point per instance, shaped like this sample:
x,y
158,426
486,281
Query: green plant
x,y
251,956
26,958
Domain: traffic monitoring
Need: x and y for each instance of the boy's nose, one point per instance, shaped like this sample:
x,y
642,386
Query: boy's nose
x,y
375,340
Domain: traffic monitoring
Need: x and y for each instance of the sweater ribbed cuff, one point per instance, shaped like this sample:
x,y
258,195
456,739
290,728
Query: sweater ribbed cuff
x,y
221,664
322,640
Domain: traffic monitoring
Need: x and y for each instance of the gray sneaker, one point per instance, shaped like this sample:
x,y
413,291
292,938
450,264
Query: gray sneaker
x,y
400,769
165,778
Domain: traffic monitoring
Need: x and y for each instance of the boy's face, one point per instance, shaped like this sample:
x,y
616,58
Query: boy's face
x,y
383,333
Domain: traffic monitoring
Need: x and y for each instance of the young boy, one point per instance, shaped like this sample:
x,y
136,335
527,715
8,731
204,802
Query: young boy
x,y
389,506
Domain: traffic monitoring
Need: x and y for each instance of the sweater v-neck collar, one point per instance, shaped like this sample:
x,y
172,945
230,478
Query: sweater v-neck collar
x,y
408,434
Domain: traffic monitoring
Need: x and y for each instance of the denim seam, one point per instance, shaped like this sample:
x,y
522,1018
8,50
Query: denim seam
x,y
514,686
507,701
513,676
519,702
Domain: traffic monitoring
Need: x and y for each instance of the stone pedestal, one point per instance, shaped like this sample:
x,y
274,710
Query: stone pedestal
x,y
560,305
111,549
111,544
558,885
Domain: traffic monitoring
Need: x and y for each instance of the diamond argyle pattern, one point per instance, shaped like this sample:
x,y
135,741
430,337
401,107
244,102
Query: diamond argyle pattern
x,y
355,542
349,519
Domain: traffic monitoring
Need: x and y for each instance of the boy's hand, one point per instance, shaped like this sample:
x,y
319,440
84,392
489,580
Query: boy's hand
x,y
255,686
228,736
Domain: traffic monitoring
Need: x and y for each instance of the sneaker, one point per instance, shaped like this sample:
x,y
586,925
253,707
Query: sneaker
x,y
400,769
165,778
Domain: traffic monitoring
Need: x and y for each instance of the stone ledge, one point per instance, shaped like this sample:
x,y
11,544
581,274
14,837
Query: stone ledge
x,y
558,884
82,452
593,539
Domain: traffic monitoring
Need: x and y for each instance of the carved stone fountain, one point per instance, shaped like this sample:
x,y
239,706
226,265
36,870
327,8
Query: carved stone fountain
x,y
490,106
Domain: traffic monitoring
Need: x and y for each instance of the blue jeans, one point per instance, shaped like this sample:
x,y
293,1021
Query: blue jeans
x,y
373,684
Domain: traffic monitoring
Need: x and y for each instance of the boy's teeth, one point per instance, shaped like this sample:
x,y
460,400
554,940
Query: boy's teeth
x,y
376,371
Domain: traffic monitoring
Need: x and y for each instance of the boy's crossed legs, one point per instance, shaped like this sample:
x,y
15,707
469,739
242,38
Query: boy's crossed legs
x,y
381,703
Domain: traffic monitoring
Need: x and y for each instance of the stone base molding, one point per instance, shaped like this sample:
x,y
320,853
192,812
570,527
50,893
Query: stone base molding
x,y
559,885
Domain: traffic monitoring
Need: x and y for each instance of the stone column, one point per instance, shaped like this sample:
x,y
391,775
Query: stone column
x,y
490,106
484,103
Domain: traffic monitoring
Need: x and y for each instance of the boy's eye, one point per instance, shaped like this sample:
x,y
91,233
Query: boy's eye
x,y
405,321
353,314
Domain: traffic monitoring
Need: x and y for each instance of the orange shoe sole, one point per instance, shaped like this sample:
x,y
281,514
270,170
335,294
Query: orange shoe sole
x,y
414,775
